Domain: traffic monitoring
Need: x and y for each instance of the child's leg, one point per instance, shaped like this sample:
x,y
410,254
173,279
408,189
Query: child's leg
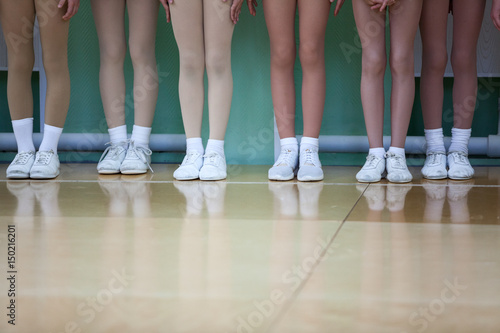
x,y
404,19
280,20
313,21
143,16
109,17
218,30
187,23
433,28
371,28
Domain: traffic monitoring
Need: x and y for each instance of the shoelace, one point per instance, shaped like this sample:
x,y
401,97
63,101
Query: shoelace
x,y
44,157
433,158
211,159
112,150
285,158
371,161
397,160
462,157
190,157
309,157
22,158
133,152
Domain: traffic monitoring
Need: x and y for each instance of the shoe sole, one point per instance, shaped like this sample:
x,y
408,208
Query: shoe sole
x,y
461,178
108,172
435,178
188,178
368,181
212,179
18,176
310,179
133,172
44,176
400,182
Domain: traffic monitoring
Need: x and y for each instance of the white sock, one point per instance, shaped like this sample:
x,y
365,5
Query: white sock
x,y
460,140
379,152
140,136
118,135
195,144
309,143
23,131
51,135
397,151
290,143
435,140
216,146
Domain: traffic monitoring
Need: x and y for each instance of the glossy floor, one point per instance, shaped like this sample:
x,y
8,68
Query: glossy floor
x,y
150,254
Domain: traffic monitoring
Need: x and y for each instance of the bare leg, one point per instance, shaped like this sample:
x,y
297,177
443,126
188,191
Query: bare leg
x,y
467,18
54,39
112,45
17,19
433,29
371,28
404,19
143,16
187,22
218,31
280,20
313,21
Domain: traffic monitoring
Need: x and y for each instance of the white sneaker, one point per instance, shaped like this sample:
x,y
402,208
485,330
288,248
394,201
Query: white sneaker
x,y
190,167
137,160
214,167
459,166
310,166
46,165
397,170
21,165
372,171
435,166
111,159
285,166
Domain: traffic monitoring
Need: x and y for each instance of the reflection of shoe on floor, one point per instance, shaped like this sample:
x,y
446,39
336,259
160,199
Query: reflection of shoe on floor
x,y
118,199
375,196
194,197
139,195
457,199
435,193
25,197
214,194
47,194
396,196
309,194
285,196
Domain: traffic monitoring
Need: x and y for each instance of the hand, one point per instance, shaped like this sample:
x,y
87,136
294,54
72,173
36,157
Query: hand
x,y
380,5
338,6
495,13
166,4
72,8
236,9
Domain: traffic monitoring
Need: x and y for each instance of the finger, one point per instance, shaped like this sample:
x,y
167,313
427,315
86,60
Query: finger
x,y
61,3
339,5
496,20
69,11
168,15
384,5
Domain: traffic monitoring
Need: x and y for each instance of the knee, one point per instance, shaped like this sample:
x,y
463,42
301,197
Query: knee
x,y
192,63
463,61
55,62
402,63
374,64
142,53
218,62
311,54
113,53
21,64
283,56
435,61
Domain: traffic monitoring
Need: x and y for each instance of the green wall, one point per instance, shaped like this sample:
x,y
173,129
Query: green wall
x,y
249,137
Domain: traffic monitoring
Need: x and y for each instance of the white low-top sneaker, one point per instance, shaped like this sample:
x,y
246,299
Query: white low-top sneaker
x,y
397,170
310,166
190,167
112,159
214,167
459,166
21,165
46,165
285,166
137,160
372,170
435,166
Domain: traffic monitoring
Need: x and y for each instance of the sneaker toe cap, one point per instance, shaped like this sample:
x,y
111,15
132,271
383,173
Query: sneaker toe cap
x,y
310,173
399,177
281,173
186,173
209,172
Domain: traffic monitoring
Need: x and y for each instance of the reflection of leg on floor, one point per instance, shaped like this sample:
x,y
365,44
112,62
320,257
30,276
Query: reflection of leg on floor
x,y
194,197
457,199
309,194
139,195
374,195
435,194
285,198
215,194
118,199
47,195
25,197
396,196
